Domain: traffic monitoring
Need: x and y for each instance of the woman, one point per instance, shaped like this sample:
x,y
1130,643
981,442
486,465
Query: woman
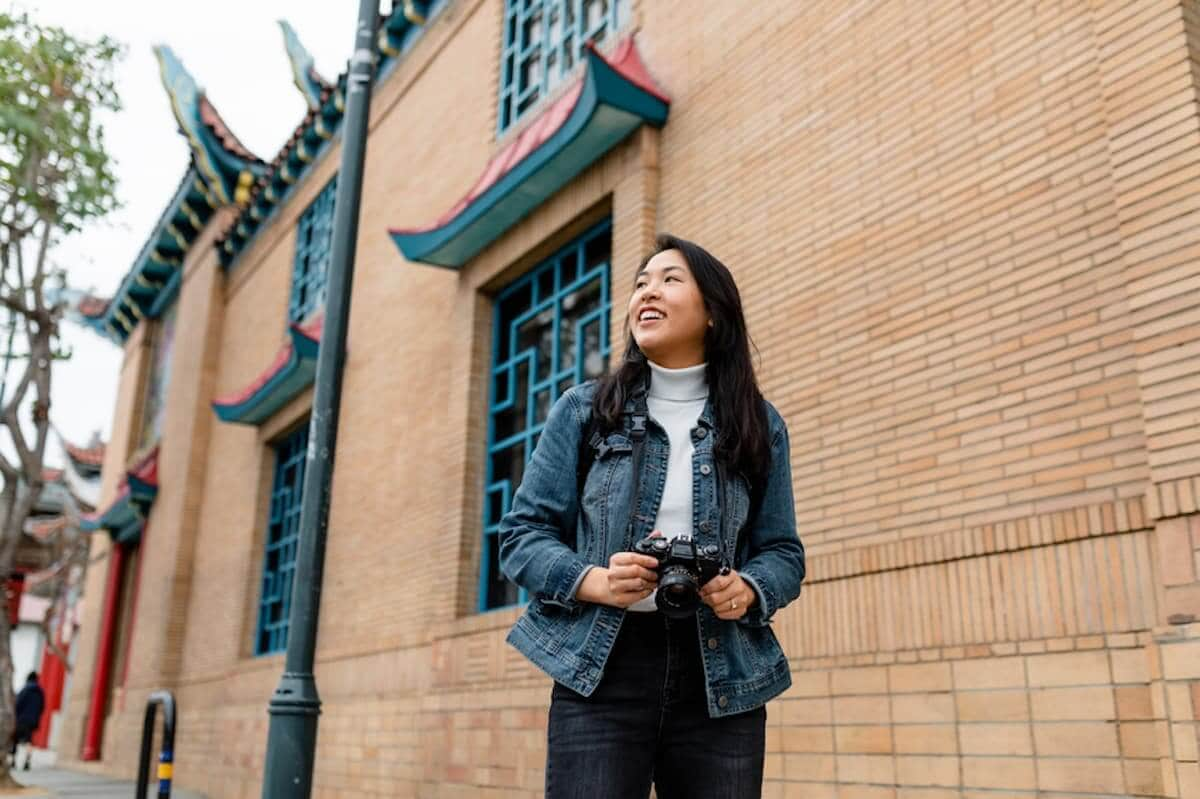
x,y
640,696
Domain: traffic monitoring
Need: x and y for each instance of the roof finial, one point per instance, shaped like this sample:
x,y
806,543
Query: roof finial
x,y
217,153
304,72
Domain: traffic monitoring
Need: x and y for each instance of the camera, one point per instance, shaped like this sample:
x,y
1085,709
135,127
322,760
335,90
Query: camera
x,y
682,569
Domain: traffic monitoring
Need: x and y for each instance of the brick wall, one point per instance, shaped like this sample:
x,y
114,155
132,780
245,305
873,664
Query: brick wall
x,y
966,238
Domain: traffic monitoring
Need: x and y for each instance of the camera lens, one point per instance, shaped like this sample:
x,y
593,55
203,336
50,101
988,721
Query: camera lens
x,y
678,592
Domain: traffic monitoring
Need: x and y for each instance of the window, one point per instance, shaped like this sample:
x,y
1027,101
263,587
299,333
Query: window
x,y
543,41
155,403
313,234
283,536
550,331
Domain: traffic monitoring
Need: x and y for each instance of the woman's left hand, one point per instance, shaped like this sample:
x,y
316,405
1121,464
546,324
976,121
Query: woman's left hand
x,y
729,596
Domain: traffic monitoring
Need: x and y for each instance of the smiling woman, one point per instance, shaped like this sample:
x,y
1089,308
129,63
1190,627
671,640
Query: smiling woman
x,y
680,423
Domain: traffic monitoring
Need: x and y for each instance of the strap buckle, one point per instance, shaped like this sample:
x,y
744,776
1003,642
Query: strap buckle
x,y
637,428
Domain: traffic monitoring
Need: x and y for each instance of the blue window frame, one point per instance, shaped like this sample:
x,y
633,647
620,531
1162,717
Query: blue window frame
x,y
550,332
543,41
283,536
313,234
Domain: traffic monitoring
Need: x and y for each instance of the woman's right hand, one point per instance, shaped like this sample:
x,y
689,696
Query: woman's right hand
x,y
629,578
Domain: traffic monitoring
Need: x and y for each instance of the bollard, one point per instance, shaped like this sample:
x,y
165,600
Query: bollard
x,y
167,754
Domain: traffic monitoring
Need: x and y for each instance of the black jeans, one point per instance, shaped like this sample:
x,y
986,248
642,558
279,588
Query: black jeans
x,y
648,721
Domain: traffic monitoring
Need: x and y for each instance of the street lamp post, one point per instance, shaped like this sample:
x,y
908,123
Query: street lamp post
x,y
295,705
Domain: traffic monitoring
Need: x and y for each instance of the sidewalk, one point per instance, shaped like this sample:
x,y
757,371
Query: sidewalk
x,y
66,784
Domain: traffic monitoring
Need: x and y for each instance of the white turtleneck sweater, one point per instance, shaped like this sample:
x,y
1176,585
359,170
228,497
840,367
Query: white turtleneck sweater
x,y
675,401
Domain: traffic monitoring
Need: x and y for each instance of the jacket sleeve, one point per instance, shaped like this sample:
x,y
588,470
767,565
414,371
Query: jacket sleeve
x,y
775,566
537,534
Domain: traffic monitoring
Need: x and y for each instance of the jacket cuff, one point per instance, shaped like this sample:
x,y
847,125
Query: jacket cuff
x,y
573,594
759,615
564,578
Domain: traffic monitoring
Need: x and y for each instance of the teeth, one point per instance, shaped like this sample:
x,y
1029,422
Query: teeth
x,y
650,315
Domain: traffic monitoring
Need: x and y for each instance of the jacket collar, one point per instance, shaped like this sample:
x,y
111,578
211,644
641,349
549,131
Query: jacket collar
x,y
637,397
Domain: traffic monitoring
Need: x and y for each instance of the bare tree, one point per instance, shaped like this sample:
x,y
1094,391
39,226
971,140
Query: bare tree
x,y
55,175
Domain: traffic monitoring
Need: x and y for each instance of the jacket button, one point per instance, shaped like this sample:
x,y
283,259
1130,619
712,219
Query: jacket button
x,y
723,701
705,469
705,526
712,643
701,432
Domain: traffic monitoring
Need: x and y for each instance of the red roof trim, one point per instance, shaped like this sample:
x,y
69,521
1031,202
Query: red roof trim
x,y
627,61
92,307
210,117
146,469
92,456
311,330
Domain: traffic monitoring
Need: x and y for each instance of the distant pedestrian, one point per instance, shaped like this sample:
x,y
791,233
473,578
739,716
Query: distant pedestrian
x,y
31,701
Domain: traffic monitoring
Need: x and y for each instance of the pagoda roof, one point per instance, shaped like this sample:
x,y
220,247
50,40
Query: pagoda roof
x,y
290,372
125,516
220,166
153,281
223,162
319,127
88,456
612,98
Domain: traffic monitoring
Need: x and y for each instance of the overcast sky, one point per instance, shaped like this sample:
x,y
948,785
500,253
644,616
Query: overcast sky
x,y
235,51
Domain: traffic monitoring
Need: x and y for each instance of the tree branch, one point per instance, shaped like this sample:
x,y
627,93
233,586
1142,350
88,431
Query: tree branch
x,y
39,270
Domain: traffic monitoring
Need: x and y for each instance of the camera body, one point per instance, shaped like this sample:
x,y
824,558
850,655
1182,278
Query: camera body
x,y
683,568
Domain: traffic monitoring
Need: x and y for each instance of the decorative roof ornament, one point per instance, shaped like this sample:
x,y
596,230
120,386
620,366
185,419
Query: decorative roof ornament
x,y
81,307
220,158
304,71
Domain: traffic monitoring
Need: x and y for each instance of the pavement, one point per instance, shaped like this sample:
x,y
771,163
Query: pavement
x,y
49,782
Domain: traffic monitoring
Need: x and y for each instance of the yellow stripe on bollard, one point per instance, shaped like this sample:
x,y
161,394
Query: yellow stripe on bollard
x,y
164,771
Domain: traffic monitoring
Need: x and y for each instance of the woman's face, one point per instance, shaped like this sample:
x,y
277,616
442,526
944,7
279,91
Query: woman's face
x,y
666,312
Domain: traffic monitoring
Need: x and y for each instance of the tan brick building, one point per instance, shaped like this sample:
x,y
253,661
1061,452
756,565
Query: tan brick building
x,y
968,240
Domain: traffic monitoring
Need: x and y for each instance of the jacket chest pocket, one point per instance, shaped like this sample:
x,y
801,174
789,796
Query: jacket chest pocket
x,y
607,492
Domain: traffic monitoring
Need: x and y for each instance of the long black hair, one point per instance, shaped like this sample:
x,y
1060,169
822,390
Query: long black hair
x,y
743,442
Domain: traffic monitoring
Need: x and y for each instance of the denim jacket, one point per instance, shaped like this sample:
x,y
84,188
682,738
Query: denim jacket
x,y
551,536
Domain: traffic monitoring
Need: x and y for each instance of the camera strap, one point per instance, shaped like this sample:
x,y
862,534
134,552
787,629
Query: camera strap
x,y
592,446
637,436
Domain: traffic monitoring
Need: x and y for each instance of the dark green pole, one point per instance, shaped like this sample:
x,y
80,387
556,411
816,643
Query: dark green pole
x,y
295,706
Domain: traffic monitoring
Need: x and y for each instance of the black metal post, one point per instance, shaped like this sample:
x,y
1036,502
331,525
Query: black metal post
x,y
295,706
166,756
